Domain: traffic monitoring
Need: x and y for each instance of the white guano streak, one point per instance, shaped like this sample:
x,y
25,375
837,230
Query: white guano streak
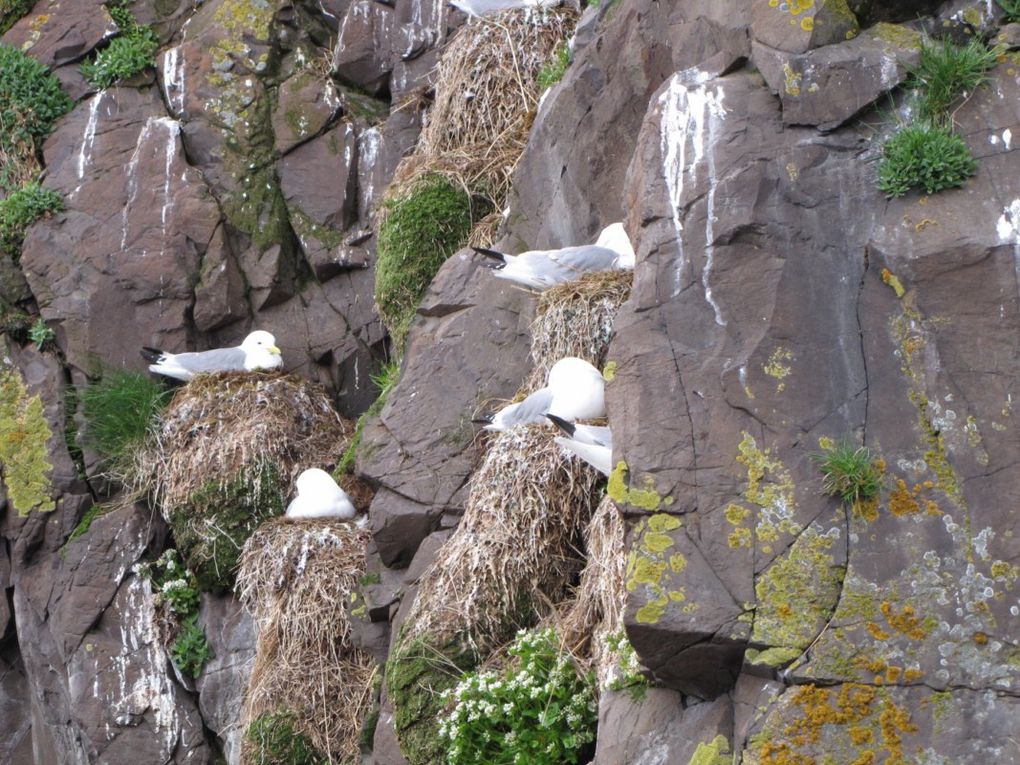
x,y
172,129
1008,229
88,140
686,112
173,79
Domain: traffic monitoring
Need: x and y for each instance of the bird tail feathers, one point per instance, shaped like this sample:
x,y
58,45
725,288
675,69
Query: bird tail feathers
x,y
498,257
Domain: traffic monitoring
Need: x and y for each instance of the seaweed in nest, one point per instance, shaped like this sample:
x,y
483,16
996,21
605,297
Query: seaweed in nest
x,y
224,454
576,319
296,579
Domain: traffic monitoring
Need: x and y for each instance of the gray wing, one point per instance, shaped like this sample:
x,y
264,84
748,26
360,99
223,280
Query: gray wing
x,y
596,435
587,257
216,360
530,410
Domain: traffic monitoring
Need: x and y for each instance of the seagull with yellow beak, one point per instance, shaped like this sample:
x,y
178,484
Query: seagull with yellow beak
x,y
258,351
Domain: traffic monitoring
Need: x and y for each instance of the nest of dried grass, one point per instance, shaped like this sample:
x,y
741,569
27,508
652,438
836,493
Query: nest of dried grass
x,y
596,610
517,547
576,319
224,455
486,93
296,579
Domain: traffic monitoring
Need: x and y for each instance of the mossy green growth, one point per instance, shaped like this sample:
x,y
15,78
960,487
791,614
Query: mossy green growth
x,y
715,752
771,657
275,741
213,524
119,409
798,592
622,494
11,11
96,511
419,232
24,434
417,673
21,209
385,381
552,71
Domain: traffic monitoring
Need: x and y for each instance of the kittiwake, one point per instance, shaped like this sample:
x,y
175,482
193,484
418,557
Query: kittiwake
x,y
258,351
592,443
318,496
541,269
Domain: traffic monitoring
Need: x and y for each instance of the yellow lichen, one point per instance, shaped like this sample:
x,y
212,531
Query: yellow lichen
x,y
618,490
24,433
888,277
609,373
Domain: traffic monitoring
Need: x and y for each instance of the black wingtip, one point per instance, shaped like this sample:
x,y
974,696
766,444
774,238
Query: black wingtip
x,y
151,354
559,422
499,257
485,419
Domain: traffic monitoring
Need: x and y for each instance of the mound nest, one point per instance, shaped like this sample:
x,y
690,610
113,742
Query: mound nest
x,y
296,579
486,94
224,455
576,319
517,547
596,611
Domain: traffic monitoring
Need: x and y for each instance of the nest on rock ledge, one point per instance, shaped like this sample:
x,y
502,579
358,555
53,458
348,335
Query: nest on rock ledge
x,y
297,579
223,457
486,95
576,319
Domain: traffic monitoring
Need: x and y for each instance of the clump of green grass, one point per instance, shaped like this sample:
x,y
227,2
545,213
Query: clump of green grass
x,y
119,409
421,229
849,472
11,11
385,381
131,52
42,334
554,69
925,157
274,740
946,73
21,209
1012,9
30,102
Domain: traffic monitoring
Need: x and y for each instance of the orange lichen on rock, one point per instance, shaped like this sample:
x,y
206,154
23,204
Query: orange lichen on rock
x,y
905,622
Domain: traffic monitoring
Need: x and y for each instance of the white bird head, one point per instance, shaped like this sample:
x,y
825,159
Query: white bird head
x,y
260,351
314,479
614,236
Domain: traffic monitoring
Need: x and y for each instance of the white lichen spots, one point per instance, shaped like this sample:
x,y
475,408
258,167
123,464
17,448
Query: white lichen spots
x,y
980,542
689,112
173,79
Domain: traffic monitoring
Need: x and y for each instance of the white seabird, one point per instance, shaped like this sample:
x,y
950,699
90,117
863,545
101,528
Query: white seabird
x,y
592,443
482,7
541,269
574,390
318,496
258,351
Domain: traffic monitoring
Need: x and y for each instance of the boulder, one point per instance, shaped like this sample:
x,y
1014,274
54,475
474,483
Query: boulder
x,y
796,26
55,32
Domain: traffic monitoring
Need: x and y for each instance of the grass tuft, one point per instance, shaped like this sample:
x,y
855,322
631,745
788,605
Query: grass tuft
x,y
119,410
554,69
924,157
947,73
420,230
1011,8
126,55
21,209
849,472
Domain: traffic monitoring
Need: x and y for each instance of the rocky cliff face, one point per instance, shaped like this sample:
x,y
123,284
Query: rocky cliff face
x,y
780,302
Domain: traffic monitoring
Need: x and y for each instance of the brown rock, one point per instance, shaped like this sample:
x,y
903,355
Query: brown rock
x,y
799,26
305,105
362,54
56,32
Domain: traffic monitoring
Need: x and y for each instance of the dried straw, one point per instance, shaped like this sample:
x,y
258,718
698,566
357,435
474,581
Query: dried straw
x,y
218,426
576,319
296,578
517,546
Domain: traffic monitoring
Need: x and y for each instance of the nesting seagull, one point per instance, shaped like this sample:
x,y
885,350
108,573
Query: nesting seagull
x,y
258,351
574,390
592,443
541,269
318,496
482,7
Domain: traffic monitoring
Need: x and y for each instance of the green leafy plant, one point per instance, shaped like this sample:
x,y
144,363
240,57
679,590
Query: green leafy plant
x,y
925,157
21,209
1012,9
849,472
538,712
30,102
119,409
131,52
384,381
554,69
42,335
172,583
420,230
946,72
11,11
275,741
190,649
627,674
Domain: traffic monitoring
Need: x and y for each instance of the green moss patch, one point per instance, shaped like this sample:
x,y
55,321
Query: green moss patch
x,y
24,434
21,209
420,230
272,740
